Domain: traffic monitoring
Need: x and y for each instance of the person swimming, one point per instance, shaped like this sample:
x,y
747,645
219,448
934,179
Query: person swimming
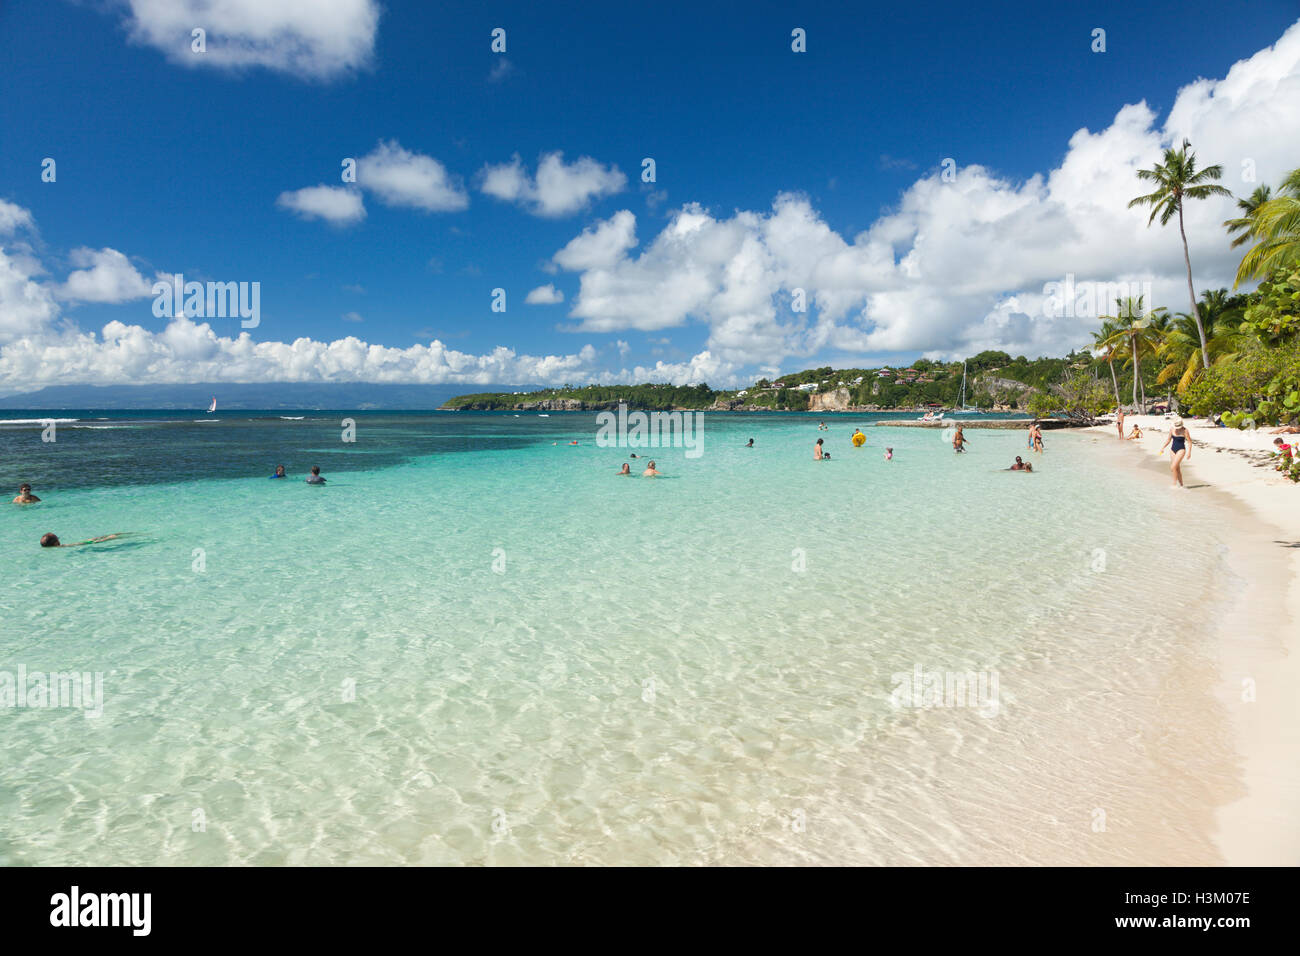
x,y
314,478
51,540
750,444
817,450
627,470
279,472
1019,465
25,496
650,471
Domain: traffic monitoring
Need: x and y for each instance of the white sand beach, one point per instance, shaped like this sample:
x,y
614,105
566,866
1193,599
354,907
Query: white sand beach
x,y
1260,641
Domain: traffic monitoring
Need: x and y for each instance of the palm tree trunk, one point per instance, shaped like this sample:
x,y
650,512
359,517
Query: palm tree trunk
x,y
1196,313
1132,344
1114,378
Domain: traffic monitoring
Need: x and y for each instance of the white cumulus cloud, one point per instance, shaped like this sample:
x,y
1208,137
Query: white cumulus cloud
x,y
400,177
558,189
334,204
104,275
545,295
311,39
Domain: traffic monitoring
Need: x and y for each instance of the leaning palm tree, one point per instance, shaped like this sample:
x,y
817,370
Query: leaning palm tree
x,y
1245,223
1177,179
1103,347
1276,226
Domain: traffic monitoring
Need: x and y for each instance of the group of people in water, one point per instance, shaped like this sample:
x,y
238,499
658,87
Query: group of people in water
x,y
51,540
650,470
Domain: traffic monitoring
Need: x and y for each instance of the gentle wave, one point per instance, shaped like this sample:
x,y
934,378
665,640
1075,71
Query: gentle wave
x,y
37,421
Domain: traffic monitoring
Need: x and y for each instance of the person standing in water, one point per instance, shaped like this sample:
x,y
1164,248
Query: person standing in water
x,y
279,472
817,450
889,454
627,470
314,478
25,496
959,441
651,471
1180,443
1038,439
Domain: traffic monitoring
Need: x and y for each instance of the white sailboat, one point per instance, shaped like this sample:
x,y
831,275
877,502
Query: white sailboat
x,y
962,407
213,407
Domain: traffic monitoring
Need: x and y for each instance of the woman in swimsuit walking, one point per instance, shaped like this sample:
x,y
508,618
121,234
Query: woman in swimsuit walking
x,y
1180,442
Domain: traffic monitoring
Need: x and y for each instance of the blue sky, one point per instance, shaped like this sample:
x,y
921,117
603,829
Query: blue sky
x,y
179,165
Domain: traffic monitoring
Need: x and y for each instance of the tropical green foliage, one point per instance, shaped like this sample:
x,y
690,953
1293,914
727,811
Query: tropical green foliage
x,y
1274,224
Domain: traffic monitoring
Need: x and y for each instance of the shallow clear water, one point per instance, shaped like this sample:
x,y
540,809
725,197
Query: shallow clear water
x,y
478,645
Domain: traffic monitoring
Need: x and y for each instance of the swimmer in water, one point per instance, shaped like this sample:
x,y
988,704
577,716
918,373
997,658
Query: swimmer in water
x,y
279,472
650,471
817,450
959,441
750,444
889,454
314,478
25,496
51,540
1018,466
627,470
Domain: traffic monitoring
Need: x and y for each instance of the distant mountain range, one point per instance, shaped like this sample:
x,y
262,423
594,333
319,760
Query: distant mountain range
x,y
358,396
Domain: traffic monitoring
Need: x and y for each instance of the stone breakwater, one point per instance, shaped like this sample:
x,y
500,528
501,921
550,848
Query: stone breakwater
x,y
1007,424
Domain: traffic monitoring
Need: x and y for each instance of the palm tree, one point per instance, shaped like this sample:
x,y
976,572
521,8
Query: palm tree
x,y
1177,180
1136,333
1245,224
1276,224
1103,348
1179,347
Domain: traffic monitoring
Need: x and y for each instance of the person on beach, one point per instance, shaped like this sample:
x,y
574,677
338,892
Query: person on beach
x,y
817,450
279,472
650,471
1180,444
959,441
1286,430
25,496
51,540
889,454
627,470
1135,433
314,478
1119,420
1286,451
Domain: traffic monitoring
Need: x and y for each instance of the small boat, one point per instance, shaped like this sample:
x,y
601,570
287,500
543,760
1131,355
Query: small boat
x,y
931,417
543,415
963,408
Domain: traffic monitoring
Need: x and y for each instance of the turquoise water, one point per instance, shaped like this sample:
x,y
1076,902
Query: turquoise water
x,y
478,645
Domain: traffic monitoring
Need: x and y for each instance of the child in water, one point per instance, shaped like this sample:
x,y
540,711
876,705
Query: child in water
x,y
889,454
